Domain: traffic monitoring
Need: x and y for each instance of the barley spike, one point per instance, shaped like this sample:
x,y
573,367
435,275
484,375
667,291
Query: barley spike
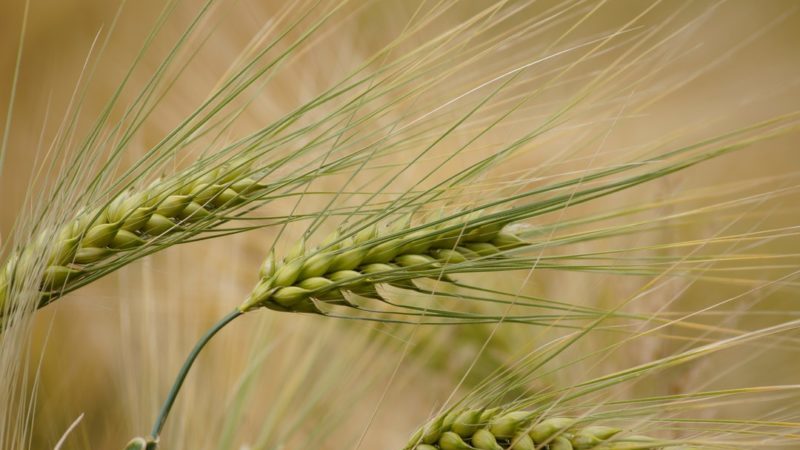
x,y
134,219
524,430
375,255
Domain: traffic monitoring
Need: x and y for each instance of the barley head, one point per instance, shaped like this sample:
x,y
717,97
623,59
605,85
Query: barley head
x,y
502,429
96,239
387,254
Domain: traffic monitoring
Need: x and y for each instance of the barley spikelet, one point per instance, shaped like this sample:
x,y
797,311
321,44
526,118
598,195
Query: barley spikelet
x,y
96,239
502,429
375,255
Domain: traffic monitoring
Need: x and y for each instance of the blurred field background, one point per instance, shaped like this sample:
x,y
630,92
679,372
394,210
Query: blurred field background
x,y
110,350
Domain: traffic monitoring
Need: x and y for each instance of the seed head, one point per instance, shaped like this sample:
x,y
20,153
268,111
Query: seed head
x,y
374,255
498,429
95,237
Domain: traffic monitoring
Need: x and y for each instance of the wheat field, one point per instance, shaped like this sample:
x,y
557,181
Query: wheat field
x,y
645,153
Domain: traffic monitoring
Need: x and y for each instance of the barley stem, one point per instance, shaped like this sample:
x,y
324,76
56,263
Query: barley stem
x,y
176,386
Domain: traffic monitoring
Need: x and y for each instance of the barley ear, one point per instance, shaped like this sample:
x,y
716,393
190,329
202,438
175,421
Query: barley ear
x,y
376,255
94,238
499,429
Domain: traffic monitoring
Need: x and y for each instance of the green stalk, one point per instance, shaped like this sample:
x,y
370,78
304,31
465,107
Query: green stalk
x,y
176,386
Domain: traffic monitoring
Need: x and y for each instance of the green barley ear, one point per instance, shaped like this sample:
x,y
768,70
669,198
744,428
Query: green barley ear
x,y
577,416
511,430
377,255
133,223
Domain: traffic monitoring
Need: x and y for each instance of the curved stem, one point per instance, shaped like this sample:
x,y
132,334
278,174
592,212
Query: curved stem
x,y
176,386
